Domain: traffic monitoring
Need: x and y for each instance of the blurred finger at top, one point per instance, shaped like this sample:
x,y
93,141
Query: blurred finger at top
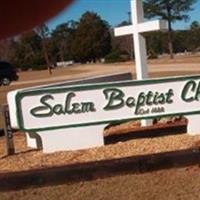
x,y
17,16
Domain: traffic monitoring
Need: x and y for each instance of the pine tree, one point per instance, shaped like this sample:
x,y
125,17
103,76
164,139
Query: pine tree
x,y
92,38
170,10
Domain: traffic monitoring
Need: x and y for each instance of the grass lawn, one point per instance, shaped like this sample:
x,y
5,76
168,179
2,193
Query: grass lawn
x,y
173,184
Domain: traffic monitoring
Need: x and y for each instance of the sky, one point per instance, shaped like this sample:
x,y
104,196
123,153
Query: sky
x,y
113,11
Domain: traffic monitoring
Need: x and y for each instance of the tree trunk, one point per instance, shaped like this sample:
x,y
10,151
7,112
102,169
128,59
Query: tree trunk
x,y
170,40
129,44
61,55
46,57
170,32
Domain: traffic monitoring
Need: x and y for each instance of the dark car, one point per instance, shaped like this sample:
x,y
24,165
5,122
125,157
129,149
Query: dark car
x,y
7,73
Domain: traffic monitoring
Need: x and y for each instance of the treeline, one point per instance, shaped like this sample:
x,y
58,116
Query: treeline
x,y
158,44
182,41
89,40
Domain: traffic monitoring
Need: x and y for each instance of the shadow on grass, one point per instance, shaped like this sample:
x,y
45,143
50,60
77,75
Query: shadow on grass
x,y
99,170
2,132
107,168
151,133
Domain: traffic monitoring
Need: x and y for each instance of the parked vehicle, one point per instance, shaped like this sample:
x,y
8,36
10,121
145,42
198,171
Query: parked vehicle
x,y
7,73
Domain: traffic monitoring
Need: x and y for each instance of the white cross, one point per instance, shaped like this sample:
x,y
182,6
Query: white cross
x,y
138,27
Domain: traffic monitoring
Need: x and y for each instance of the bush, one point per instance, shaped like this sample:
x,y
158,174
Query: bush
x,y
114,56
39,67
152,54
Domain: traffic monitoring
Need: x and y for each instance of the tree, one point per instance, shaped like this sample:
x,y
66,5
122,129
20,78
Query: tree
x,y
92,38
61,40
170,10
29,51
124,43
194,37
195,25
43,32
156,43
178,44
7,50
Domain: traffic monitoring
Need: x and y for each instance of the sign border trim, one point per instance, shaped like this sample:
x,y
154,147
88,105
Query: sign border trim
x,y
83,87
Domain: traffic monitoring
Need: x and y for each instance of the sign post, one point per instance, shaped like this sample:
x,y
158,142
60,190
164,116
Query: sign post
x,y
138,27
10,150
